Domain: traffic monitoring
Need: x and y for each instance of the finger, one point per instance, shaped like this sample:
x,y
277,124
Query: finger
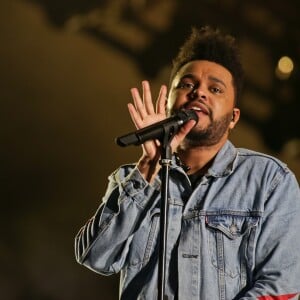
x,y
147,97
149,147
138,102
183,131
162,100
135,116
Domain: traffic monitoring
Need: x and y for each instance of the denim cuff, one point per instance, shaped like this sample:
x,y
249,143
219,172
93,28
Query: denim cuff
x,y
136,187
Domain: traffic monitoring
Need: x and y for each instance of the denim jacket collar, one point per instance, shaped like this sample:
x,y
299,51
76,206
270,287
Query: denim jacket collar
x,y
223,163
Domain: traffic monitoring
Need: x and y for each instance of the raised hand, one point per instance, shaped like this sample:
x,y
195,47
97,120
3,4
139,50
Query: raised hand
x,y
143,113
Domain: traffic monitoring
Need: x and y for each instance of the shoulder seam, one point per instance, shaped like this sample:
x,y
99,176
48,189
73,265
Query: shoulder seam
x,y
246,152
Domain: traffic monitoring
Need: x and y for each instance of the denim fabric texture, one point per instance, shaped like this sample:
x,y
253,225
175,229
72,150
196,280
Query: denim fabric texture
x,y
236,235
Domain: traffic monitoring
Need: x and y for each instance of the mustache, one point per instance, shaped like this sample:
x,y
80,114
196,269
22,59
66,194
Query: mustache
x,y
190,103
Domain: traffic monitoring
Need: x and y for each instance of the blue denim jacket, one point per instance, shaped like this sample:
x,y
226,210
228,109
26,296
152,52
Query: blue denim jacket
x,y
236,235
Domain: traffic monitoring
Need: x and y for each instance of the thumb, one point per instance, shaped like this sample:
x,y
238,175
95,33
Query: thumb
x,y
181,134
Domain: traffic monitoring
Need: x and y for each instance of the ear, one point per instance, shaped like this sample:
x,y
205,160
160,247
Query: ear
x,y
235,117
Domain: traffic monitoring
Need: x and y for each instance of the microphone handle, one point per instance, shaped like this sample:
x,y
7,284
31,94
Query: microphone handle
x,y
157,130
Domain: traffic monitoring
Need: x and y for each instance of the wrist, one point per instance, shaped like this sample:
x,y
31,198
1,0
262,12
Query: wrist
x,y
148,168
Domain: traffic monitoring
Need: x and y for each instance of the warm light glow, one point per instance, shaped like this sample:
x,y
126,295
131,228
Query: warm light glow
x,y
284,68
285,65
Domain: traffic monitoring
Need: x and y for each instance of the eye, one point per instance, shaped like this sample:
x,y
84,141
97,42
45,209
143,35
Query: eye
x,y
216,90
186,85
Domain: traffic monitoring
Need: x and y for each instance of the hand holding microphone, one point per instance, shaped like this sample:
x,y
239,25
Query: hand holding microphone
x,y
157,130
151,123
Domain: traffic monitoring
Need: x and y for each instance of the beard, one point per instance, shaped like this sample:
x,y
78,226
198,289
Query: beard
x,y
210,135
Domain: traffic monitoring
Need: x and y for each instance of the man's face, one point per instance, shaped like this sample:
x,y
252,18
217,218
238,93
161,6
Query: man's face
x,y
207,88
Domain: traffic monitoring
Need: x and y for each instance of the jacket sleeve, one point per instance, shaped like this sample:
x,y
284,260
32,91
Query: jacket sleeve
x,y
103,242
276,271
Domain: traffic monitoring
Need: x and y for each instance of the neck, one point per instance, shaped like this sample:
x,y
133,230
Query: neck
x,y
198,158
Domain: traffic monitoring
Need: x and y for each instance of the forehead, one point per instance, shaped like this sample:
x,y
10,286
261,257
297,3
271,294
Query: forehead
x,y
201,69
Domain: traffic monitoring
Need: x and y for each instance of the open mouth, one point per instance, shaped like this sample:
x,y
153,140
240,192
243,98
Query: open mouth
x,y
198,108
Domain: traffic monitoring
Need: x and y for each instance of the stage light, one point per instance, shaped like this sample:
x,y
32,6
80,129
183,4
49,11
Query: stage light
x,y
284,67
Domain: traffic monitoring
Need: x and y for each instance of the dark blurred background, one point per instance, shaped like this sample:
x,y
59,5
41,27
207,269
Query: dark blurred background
x,y
66,68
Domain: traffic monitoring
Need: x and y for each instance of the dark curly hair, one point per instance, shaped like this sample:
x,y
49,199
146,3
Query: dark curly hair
x,y
210,44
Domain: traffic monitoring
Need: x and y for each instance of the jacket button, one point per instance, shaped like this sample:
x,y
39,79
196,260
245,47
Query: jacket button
x,y
233,229
136,184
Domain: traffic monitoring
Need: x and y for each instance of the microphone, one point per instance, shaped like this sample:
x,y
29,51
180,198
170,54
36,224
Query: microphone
x,y
157,130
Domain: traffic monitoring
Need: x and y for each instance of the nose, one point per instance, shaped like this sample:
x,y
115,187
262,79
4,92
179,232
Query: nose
x,y
197,93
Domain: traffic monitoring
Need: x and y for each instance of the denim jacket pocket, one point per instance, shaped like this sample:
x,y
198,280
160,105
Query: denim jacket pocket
x,y
144,240
230,236
152,236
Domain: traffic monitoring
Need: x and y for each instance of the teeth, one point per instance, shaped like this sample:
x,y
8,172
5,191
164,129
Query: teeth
x,y
196,108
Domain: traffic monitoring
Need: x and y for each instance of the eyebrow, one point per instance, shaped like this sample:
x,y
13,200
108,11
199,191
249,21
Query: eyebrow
x,y
215,79
210,77
191,76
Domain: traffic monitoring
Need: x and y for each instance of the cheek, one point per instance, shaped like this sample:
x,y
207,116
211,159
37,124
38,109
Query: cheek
x,y
174,101
222,106
171,101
